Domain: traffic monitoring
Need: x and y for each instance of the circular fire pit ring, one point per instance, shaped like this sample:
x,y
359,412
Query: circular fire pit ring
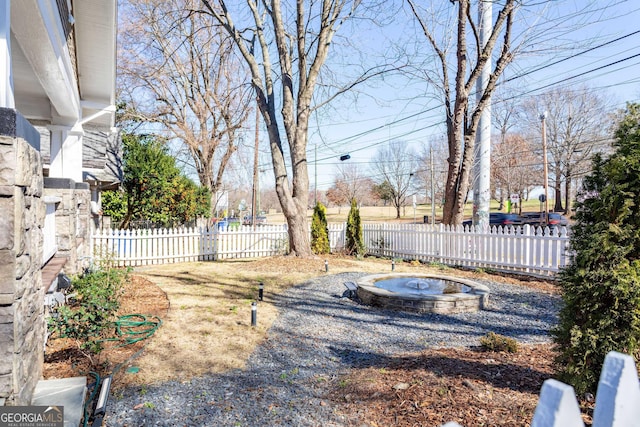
x,y
423,293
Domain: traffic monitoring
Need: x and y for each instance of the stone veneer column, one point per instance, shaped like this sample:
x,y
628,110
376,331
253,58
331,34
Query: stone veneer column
x,y
72,220
22,324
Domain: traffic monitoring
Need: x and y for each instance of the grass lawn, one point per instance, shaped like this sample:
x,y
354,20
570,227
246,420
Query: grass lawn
x,y
388,213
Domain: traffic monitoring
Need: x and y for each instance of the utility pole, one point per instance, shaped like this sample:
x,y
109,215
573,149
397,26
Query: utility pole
x,y
256,183
315,174
482,183
543,118
433,193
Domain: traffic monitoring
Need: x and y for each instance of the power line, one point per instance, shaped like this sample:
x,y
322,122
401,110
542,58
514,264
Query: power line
x,y
542,67
583,73
369,131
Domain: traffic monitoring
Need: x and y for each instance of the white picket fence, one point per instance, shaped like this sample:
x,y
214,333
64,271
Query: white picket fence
x,y
617,398
536,251
164,246
523,249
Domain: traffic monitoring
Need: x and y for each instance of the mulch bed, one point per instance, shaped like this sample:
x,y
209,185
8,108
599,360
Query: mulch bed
x,y
469,386
63,357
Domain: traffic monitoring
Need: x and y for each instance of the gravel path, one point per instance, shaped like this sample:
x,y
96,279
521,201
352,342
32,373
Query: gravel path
x,y
317,336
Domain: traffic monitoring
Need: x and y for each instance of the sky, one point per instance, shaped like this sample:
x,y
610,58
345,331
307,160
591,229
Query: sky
x,y
394,110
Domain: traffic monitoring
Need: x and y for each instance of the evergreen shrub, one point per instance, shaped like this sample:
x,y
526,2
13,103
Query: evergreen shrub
x,y
601,285
354,244
496,342
319,230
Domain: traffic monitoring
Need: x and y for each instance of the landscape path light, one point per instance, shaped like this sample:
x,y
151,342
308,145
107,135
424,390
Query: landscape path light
x,y
254,313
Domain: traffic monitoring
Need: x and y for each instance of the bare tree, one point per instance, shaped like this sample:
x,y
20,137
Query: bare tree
x,y
506,114
520,28
178,70
269,199
356,184
396,166
337,194
577,126
298,39
431,171
462,116
515,169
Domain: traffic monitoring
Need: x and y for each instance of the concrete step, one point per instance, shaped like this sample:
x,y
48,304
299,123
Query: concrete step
x,y
50,271
70,393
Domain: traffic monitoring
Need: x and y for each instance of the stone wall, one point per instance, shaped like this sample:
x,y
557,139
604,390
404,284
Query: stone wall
x,y
22,324
72,220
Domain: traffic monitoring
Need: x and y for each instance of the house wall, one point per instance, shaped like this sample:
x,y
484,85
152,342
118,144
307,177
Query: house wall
x,y
22,324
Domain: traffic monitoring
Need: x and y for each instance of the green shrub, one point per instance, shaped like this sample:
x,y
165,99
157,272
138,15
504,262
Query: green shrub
x,y
354,240
90,312
601,285
319,230
496,342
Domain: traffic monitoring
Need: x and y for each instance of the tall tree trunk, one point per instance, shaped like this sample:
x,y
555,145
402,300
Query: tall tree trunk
x,y
461,118
457,186
300,48
557,187
294,204
567,192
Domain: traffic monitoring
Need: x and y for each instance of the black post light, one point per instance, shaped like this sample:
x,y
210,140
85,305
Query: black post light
x,y
254,313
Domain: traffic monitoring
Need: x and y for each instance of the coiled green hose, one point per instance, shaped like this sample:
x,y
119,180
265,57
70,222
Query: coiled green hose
x,y
132,328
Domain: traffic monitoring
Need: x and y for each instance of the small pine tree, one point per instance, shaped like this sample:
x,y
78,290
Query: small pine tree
x,y
601,286
354,244
319,230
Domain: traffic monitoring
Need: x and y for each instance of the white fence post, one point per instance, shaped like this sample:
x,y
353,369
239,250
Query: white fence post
x,y
618,396
557,406
216,234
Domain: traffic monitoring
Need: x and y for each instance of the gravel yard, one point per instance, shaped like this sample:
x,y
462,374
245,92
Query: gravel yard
x,y
318,336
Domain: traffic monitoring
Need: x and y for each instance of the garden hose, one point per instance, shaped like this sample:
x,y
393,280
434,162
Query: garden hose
x,y
85,415
136,327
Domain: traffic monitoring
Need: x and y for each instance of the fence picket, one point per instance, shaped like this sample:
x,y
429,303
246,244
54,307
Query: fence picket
x,y
557,406
618,396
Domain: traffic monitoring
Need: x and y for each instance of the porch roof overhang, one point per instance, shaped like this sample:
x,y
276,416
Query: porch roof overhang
x,y
55,84
96,41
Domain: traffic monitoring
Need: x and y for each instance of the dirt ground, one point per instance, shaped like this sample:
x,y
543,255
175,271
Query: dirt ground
x,y
468,386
